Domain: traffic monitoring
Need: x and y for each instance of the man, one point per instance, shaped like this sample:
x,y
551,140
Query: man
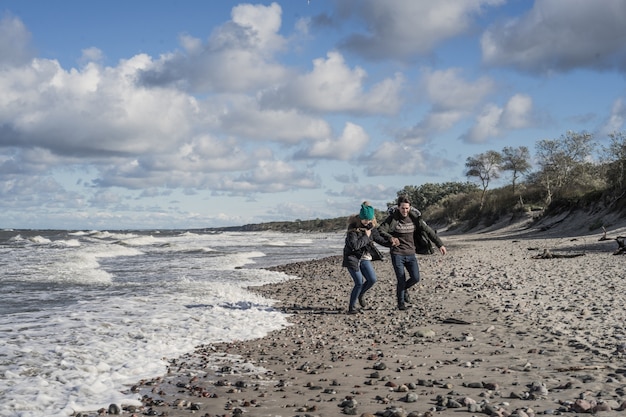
x,y
402,226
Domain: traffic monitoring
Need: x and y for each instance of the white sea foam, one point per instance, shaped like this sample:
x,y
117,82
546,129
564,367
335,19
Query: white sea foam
x,y
39,240
104,315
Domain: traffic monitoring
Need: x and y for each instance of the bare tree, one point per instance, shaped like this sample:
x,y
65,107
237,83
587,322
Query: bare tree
x,y
560,158
516,160
485,167
615,156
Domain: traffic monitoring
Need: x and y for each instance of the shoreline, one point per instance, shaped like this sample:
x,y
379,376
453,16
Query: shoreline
x,y
493,330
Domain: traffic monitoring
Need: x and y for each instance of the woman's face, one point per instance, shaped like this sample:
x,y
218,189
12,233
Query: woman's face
x,y
365,222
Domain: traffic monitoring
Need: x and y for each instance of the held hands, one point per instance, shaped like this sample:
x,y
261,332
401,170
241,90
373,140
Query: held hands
x,y
395,241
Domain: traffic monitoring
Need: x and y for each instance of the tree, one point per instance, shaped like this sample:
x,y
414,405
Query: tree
x,y
429,194
516,160
615,155
485,167
562,160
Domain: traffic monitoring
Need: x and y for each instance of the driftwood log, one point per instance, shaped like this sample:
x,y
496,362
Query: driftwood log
x,y
581,368
621,250
549,255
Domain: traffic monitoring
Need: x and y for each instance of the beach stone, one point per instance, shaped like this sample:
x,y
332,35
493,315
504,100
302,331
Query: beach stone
x,y
582,406
425,333
349,403
411,397
474,408
394,412
350,411
380,366
468,401
425,382
539,388
453,403
114,409
519,413
603,406
491,386
402,388
490,409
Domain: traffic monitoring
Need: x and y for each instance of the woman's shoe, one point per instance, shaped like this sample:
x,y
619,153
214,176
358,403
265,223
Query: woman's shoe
x,y
361,301
401,306
353,310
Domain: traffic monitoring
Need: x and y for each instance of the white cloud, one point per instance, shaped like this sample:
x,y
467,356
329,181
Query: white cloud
x,y
270,177
447,89
617,119
556,37
91,55
348,146
495,122
243,116
453,99
392,158
517,112
237,57
92,111
15,47
333,86
487,125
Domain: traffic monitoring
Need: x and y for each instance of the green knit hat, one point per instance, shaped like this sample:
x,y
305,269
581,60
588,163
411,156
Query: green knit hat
x,y
367,212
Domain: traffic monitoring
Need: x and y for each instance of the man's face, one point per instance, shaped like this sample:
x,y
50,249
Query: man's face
x,y
404,209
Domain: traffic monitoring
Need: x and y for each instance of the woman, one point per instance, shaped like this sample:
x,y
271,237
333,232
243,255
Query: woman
x,y
359,251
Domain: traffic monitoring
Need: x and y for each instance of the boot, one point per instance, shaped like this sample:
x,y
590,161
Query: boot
x,y
407,299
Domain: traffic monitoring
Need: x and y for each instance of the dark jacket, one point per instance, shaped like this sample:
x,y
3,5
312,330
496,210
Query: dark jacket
x,y
423,235
357,243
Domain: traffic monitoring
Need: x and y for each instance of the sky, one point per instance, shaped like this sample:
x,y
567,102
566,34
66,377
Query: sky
x,y
158,114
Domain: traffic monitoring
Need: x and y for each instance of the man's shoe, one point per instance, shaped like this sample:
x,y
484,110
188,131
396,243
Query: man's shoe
x,y
401,306
361,301
353,310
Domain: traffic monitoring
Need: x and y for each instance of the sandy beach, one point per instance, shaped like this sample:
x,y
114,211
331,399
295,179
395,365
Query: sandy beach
x,y
496,327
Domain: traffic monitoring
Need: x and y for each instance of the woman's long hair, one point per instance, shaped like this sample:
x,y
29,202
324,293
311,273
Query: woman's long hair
x,y
354,223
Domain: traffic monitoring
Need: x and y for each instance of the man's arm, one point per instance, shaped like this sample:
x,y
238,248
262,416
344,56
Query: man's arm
x,y
434,237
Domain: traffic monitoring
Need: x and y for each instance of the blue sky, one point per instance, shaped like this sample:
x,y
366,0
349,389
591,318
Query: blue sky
x,y
162,114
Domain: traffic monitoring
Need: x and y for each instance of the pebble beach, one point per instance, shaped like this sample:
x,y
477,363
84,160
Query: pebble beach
x,y
496,327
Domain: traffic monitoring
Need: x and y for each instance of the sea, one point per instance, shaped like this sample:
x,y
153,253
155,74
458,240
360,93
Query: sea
x,y
84,315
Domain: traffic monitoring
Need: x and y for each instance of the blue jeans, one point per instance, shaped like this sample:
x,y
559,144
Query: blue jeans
x,y
400,262
365,271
